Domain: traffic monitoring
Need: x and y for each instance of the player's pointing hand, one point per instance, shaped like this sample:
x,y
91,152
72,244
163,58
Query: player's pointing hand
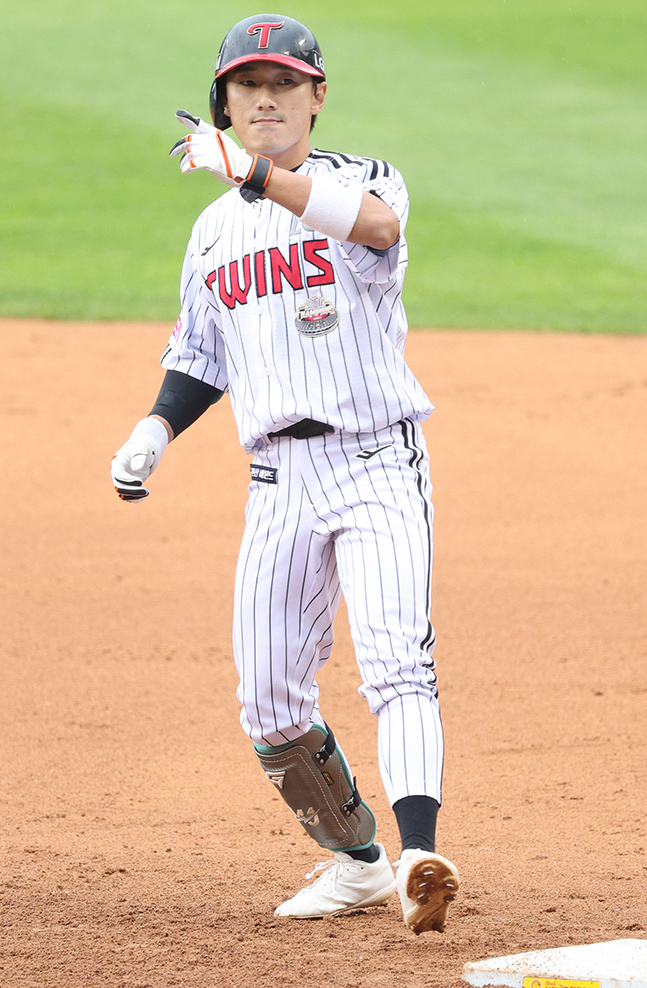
x,y
213,150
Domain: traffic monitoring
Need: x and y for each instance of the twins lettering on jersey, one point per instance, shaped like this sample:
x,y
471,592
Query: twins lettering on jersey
x,y
270,269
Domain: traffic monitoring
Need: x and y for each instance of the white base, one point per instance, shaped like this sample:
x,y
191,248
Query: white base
x,y
617,964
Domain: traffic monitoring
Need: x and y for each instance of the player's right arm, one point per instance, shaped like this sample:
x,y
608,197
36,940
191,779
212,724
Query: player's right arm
x,y
195,379
134,462
181,401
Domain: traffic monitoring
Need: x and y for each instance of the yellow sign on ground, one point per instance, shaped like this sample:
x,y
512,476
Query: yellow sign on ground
x,y
558,983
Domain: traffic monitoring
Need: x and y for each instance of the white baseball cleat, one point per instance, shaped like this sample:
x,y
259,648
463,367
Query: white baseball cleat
x,y
344,884
426,885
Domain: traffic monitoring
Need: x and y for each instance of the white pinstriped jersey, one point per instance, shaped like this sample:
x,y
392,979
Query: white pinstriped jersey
x,y
250,266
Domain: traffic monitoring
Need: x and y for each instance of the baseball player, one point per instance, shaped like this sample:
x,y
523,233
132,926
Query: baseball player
x,y
291,303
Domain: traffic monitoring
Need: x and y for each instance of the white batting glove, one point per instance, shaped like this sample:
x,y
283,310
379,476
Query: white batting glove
x,y
138,458
213,150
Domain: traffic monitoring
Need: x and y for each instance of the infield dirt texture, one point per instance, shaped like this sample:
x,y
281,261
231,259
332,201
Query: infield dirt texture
x,y
141,845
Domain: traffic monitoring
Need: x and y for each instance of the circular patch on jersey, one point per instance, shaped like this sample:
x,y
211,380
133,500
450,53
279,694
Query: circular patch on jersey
x,y
316,317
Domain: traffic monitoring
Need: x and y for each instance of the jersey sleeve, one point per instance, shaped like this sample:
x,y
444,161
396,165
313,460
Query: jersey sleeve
x,y
196,346
384,181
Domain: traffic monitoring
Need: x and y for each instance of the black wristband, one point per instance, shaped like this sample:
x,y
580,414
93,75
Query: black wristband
x,y
183,399
258,175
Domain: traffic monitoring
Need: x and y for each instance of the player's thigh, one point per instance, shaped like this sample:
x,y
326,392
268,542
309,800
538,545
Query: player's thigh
x,y
286,594
385,560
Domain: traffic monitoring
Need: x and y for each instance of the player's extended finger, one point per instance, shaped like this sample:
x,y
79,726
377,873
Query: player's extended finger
x,y
188,119
196,124
181,146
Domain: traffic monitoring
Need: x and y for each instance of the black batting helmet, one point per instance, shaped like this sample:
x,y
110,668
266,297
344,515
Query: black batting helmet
x,y
264,37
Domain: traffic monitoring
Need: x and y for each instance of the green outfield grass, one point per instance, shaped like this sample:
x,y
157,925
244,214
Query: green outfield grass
x,y
520,127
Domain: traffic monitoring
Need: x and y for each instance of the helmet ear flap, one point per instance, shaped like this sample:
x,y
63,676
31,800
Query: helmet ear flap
x,y
217,104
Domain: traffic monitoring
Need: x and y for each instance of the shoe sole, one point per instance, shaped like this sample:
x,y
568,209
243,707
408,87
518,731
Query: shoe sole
x,y
432,884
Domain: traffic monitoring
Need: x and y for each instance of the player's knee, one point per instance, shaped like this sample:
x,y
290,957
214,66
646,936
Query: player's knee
x,y
383,696
271,733
268,720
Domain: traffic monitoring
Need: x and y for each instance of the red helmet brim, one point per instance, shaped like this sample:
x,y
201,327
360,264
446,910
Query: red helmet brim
x,y
292,63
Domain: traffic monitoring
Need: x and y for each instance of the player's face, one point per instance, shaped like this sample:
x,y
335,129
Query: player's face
x,y
270,108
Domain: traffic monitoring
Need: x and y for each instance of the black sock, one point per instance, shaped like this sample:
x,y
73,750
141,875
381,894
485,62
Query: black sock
x,y
369,854
416,816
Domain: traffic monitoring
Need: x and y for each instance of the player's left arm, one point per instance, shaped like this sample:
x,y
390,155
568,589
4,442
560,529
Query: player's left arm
x,y
352,214
346,213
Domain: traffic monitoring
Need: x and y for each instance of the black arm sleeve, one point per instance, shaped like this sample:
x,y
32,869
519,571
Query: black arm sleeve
x,y
183,399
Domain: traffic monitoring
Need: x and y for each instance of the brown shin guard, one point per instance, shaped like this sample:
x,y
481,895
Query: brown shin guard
x,y
313,778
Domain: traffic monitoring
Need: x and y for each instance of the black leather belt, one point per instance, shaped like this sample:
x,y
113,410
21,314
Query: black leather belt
x,y
305,429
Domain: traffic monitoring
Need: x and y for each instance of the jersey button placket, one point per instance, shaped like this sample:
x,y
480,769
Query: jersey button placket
x,y
258,246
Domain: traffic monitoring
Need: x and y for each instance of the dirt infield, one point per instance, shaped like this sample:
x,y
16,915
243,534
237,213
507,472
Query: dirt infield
x,y
141,845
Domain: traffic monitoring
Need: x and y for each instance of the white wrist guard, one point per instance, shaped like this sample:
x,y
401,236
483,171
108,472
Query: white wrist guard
x,y
153,430
332,208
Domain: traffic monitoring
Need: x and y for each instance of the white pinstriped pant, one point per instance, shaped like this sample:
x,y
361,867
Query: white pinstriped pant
x,y
334,522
